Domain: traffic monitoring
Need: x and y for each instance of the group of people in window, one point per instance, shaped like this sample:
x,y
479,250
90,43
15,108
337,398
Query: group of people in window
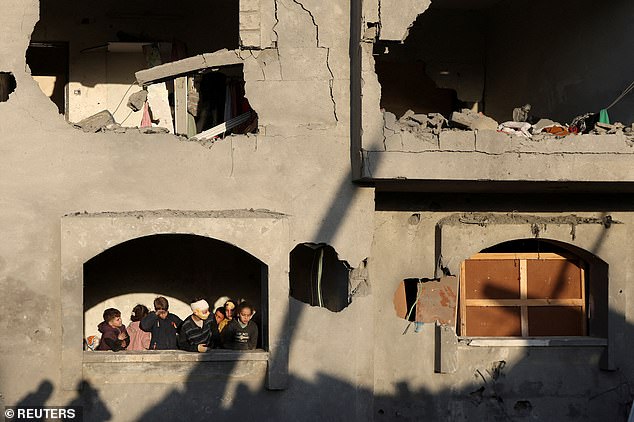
x,y
230,328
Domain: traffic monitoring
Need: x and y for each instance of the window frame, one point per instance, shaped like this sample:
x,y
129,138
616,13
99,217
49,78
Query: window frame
x,y
84,236
524,302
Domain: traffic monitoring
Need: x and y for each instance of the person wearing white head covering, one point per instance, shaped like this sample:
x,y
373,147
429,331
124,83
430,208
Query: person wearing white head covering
x,y
198,332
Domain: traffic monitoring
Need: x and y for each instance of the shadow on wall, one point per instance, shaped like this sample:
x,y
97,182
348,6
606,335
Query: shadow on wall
x,y
492,393
497,392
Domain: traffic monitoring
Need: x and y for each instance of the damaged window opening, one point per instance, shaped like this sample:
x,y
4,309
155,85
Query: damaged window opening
x,y
473,65
89,59
533,288
180,267
425,300
7,85
318,278
48,62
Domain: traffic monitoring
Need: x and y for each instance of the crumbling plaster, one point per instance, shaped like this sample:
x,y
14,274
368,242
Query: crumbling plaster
x,y
297,165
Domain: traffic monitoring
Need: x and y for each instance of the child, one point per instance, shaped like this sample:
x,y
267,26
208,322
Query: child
x,y
113,334
139,339
163,326
198,332
220,317
230,307
241,333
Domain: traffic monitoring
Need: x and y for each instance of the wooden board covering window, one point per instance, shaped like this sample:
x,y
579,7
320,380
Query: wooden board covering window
x,y
522,294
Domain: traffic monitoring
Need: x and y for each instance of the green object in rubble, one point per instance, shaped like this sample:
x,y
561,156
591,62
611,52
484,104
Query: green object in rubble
x,y
603,117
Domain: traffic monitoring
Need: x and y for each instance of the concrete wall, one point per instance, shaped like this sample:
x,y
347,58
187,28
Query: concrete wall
x,y
544,383
66,196
297,165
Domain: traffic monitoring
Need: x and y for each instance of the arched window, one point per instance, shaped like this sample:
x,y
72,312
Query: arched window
x,y
177,266
532,288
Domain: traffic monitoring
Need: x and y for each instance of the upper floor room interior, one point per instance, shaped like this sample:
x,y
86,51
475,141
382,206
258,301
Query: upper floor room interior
x,y
85,56
489,77
500,78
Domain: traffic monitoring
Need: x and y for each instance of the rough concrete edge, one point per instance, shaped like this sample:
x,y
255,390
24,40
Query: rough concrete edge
x,y
233,213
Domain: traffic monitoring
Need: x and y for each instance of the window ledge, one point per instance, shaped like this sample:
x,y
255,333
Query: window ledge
x,y
175,356
533,341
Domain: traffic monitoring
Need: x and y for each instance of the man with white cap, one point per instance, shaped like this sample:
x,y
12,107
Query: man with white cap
x,y
199,332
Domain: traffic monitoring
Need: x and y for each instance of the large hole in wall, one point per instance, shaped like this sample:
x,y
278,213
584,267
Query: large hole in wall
x,y
84,56
496,56
318,278
178,266
7,85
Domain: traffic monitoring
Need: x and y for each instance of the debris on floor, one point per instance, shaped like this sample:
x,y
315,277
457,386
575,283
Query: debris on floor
x,y
471,120
96,122
430,123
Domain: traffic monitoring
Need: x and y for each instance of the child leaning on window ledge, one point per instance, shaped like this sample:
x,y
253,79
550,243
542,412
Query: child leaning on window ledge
x,y
163,326
241,333
113,333
139,339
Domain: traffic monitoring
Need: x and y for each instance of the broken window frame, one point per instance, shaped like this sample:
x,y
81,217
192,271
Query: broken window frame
x,y
523,302
181,73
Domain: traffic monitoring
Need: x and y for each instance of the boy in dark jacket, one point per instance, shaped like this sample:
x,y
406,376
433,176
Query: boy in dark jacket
x,y
198,332
241,333
113,333
163,326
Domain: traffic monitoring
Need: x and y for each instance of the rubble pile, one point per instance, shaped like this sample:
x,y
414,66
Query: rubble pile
x,y
422,124
523,124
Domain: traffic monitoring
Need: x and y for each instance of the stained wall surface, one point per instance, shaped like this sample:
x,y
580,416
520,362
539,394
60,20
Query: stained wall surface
x,y
66,196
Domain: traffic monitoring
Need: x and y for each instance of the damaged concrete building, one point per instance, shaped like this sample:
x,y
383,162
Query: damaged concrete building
x,y
347,167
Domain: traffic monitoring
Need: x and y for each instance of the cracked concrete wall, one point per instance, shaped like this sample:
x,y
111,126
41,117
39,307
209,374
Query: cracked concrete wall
x,y
560,383
299,165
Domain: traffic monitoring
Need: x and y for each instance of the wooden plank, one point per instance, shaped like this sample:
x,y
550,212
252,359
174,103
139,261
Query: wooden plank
x,y
177,68
526,302
527,255
523,290
180,105
209,134
583,301
463,302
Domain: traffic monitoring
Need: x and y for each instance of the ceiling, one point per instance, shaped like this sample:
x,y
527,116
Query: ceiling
x,y
464,4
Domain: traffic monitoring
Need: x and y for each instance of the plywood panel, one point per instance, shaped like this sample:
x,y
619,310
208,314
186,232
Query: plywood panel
x,y
498,321
555,321
437,301
554,279
400,301
492,279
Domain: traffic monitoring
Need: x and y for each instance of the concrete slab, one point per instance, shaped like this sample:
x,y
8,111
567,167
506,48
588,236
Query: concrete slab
x,y
457,140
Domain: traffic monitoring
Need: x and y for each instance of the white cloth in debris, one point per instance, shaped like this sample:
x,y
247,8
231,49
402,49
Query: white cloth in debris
x,y
516,128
